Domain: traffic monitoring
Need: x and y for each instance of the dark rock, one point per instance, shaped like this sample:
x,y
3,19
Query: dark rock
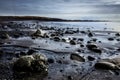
x,y
80,39
35,63
70,78
4,36
91,46
31,51
22,54
59,61
104,65
94,48
37,33
77,57
50,60
90,34
117,34
63,40
72,42
90,58
110,39
56,38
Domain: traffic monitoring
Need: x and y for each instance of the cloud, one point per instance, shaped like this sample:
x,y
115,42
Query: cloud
x,y
105,9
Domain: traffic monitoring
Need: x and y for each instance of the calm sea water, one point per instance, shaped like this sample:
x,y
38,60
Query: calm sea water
x,y
85,25
112,26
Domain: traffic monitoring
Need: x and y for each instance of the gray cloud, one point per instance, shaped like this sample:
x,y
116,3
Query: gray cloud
x,y
70,9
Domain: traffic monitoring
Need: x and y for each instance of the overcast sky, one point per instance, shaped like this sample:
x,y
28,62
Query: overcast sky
x,y
66,9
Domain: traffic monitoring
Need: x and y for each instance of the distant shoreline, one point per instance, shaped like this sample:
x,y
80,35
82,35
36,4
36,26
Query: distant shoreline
x,y
38,18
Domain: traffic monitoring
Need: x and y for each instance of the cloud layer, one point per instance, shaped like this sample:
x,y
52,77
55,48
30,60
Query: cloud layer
x,y
68,9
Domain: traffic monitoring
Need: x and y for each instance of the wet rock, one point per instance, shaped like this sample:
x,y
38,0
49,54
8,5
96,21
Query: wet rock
x,y
22,53
110,39
72,42
37,33
117,34
80,39
34,63
50,60
108,64
56,38
90,34
4,36
70,78
63,40
90,58
104,65
23,64
1,53
91,46
53,35
31,51
77,57
94,48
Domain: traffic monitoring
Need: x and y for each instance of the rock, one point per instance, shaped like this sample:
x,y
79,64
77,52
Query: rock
x,y
72,42
56,38
77,57
1,53
117,34
94,48
4,36
53,35
109,64
97,50
104,65
90,58
80,39
63,40
37,33
50,60
90,34
91,46
110,39
31,51
23,64
33,63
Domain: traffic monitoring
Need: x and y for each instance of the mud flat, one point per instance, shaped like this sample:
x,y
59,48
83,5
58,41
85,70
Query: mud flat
x,y
62,53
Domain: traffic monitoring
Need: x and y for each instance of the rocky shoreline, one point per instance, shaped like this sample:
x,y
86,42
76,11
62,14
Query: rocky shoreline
x,y
52,53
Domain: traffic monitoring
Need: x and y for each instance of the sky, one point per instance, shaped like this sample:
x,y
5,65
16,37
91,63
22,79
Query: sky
x,y
65,9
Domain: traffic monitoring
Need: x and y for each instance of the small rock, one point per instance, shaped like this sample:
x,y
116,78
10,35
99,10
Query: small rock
x,y
56,38
77,57
90,58
72,42
50,60
110,39
31,51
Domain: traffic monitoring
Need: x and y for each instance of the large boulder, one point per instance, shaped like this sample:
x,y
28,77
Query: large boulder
x,y
33,63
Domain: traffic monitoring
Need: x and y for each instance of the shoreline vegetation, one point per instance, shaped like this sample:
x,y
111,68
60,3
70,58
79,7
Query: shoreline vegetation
x,y
18,18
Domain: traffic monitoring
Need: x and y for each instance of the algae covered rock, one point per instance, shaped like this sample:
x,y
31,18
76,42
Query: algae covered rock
x,y
33,63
